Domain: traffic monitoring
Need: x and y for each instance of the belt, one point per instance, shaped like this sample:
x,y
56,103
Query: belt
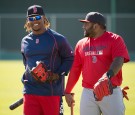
x,y
114,87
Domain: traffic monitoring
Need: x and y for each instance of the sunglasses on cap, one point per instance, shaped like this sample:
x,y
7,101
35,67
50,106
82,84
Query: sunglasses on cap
x,y
34,18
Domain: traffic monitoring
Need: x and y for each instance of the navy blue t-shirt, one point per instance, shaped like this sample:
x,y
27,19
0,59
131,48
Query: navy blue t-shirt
x,y
54,50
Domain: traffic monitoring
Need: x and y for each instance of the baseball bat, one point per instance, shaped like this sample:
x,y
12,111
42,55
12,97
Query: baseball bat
x,y
72,106
16,104
72,110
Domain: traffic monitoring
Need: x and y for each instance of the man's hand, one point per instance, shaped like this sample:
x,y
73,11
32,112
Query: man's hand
x,y
102,88
52,77
69,97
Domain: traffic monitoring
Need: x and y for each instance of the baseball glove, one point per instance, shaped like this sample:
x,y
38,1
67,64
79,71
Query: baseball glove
x,y
41,74
102,88
124,92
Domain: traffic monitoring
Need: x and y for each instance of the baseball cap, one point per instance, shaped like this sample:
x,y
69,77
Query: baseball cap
x,y
95,17
35,10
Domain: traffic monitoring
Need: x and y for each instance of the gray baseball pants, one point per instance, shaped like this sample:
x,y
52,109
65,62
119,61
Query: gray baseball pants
x,y
110,105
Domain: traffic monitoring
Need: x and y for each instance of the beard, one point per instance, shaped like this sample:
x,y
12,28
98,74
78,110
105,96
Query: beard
x,y
90,32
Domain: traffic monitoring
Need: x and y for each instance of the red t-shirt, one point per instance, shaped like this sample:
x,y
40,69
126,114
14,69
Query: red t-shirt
x,y
93,58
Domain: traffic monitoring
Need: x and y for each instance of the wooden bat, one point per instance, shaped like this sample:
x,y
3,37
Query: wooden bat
x,y
72,106
72,110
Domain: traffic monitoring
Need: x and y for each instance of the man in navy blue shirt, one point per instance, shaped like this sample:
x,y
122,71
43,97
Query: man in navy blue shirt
x,y
46,45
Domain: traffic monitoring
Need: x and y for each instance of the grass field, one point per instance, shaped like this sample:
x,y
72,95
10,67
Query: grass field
x,y
11,88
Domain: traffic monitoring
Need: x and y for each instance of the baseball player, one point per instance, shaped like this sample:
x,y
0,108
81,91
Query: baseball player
x,y
47,58
99,56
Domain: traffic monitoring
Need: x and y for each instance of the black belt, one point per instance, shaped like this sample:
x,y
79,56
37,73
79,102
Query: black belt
x,y
114,87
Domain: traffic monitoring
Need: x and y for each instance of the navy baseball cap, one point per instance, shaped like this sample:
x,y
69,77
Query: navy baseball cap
x,y
35,10
95,17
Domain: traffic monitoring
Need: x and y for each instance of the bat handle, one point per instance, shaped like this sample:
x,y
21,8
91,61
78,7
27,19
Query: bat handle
x,y
72,106
72,110
16,104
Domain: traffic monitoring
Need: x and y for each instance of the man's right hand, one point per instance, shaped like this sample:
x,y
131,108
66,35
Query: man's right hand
x,y
69,97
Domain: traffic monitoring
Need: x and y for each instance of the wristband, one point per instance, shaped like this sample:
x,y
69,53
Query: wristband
x,y
110,73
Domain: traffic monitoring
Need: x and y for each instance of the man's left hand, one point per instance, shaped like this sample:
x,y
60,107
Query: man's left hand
x,y
52,77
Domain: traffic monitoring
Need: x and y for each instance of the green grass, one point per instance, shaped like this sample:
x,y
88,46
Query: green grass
x,y
11,88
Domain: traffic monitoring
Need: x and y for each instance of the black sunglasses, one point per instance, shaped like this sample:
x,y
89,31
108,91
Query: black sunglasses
x,y
34,18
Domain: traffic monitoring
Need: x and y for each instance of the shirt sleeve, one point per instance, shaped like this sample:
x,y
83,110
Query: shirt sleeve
x,y
22,52
67,56
74,72
119,49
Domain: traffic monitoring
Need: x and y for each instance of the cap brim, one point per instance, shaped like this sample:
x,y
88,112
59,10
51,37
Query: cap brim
x,y
84,21
33,15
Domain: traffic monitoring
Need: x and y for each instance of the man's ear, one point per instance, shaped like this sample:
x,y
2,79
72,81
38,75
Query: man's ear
x,y
95,26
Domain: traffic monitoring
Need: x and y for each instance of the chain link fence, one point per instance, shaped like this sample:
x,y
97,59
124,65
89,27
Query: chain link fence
x,y
12,30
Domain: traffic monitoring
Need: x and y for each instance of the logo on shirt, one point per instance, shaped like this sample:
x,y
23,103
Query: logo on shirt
x,y
94,59
37,41
93,50
94,53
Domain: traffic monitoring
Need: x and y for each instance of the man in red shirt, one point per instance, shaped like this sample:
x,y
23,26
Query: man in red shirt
x,y
100,53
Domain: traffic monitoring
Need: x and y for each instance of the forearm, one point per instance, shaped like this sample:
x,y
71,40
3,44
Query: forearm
x,y
72,79
116,66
